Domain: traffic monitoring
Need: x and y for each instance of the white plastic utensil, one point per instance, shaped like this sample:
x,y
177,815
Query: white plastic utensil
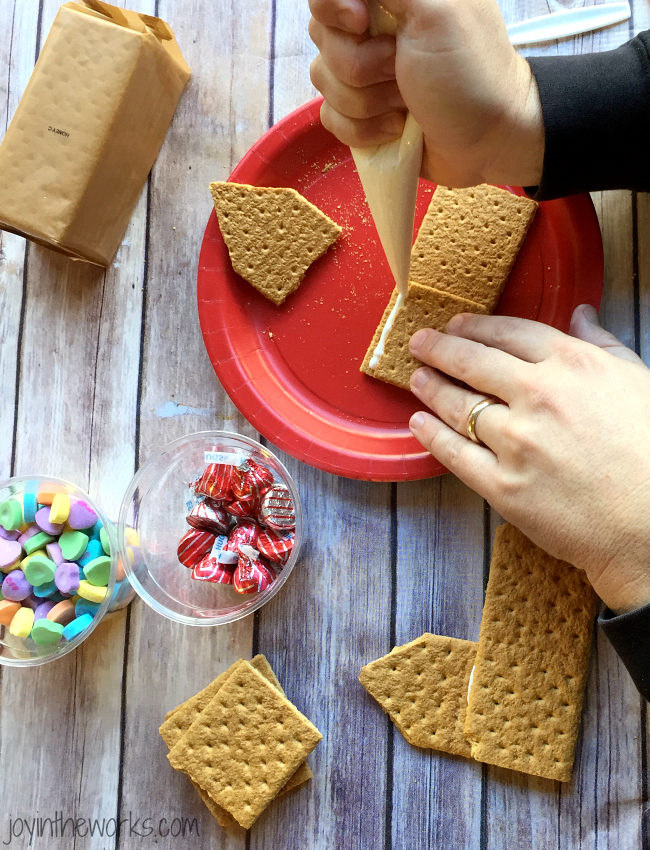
x,y
568,22
389,175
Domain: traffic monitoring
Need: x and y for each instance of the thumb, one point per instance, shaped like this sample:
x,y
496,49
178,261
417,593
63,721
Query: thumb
x,y
585,326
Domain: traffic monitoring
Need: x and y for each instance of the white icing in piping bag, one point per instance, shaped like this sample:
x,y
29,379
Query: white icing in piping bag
x,y
389,175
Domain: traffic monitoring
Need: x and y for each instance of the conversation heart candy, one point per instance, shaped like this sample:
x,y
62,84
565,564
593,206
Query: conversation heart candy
x,y
10,552
90,592
38,541
15,586
40,570
8,611
43,522
45,632
81,515
62,612
77,626
73,544
98,570
11,514
43,609
22,623
67,577
9,535
60,509
54,553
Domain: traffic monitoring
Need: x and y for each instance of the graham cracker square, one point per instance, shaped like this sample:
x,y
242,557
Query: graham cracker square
x,y
469,240
422,686
245,745
532,660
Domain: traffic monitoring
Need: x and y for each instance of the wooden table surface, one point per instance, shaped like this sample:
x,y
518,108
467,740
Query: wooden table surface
x,y
90,360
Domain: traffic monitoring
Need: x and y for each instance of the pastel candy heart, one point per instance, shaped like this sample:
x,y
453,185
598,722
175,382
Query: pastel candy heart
x,y
11,514
45,590
40,570
15,587
38,541
105,541
43,522
54,553
32,602
32,531
73,544
22,623
29,506
76,627
45,632
93,550
62,612
60,509
10,552
43,609
81,514
90,592
83,606
98,571
9,535
67,578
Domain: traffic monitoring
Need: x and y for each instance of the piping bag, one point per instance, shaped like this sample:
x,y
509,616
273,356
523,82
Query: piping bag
x,y
389,175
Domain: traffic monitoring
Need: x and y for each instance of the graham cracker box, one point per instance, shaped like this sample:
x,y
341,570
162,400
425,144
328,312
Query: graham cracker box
x,y
88,129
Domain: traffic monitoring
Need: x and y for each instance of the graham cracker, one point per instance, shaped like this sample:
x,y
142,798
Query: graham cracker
x,y
469,241
273,235
245,744
423,688
532,660
172,730
423,308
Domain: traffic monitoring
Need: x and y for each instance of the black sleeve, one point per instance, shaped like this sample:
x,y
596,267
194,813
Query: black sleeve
x,y
629,634
596,111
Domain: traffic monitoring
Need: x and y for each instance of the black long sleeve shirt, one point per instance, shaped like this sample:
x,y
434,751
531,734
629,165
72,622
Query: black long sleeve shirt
x,y
596,110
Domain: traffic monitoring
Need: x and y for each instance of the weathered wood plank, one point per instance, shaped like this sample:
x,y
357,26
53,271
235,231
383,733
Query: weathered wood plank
x,y
223,111
76,419
333,616
437,798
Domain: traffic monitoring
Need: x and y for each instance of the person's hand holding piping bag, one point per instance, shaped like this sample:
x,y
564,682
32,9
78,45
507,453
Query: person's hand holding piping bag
x,y
552,429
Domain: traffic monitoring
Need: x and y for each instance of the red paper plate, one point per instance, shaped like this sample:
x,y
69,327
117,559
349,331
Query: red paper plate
x,y
293,370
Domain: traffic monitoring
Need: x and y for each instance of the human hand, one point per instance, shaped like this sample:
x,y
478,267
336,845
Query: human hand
x,y
452,66
566,455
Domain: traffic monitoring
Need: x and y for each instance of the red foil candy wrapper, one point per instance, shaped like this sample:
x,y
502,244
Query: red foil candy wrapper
x,y
209,517
252,575
277,509
216,482
250,481
211,569
276,547
194,546
245,533
242,510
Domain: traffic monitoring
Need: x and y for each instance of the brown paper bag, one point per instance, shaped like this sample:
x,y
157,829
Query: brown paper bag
x,y
88,128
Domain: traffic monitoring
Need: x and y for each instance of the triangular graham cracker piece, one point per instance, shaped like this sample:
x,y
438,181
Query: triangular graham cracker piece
x,y
531,665
423,688
469,240
423,308
273,235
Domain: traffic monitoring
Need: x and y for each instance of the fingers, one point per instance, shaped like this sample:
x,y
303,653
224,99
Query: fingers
x,y
526,340
487,370
453,405
369,102
349,15
585,326
473,464
356,60
362,133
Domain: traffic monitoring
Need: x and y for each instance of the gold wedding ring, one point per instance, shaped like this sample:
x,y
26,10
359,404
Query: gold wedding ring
x,y
473,416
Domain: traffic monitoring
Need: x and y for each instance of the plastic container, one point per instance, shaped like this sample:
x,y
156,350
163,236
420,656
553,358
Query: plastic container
x,y
155,507
23,652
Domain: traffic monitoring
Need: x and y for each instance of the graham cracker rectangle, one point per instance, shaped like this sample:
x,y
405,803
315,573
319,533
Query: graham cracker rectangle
x,y
273,234
423,308
245,744
422,686
469,240
532,660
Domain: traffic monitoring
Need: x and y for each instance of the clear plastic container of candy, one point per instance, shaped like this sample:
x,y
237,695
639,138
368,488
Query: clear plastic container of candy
x,y
154,519
22,651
